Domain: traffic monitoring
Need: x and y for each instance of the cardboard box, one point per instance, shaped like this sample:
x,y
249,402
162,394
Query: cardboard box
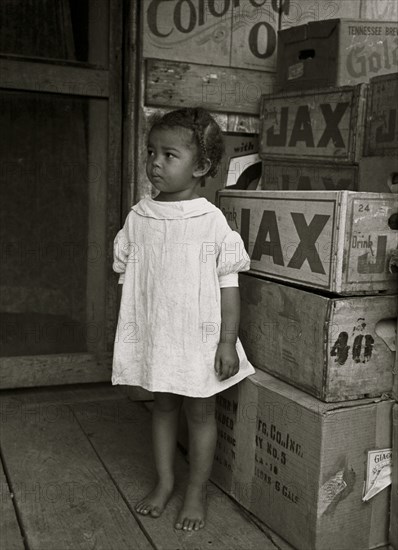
x,y
224,465
315,125
335,52
381,134
378,174
300,465
338,241
394,487
308,176
335,348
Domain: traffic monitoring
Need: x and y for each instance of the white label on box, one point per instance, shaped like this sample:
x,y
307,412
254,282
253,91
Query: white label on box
x,y
238,165
378,472
295,71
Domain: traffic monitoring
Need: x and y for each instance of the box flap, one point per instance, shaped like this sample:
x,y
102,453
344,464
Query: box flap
x,y
320,408
313,29
293,34
322,29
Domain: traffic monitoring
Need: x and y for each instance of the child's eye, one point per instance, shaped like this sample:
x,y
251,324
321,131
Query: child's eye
x,y
170,155
149,152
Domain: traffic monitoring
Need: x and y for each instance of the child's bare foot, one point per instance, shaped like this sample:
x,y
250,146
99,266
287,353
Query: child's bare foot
x,y
155,502
192,513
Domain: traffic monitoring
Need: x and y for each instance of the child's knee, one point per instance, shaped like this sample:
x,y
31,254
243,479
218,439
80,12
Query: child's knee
x,y
200,410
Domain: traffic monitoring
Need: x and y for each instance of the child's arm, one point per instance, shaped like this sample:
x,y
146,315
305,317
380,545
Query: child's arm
x,y
227,360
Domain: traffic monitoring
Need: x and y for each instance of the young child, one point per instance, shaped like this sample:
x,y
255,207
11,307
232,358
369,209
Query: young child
x,y
177,333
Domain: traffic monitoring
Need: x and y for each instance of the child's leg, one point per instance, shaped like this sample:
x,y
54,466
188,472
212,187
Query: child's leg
x,y
202,443
165,415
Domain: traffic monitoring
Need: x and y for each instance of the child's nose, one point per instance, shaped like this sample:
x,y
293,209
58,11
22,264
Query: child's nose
x,y
156,160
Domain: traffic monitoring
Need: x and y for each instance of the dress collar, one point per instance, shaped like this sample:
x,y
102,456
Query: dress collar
x,y
176,210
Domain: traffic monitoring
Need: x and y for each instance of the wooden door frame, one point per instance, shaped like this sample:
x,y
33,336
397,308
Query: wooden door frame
x,y
91,81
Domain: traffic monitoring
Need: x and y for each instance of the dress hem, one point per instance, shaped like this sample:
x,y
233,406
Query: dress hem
x,y
228,384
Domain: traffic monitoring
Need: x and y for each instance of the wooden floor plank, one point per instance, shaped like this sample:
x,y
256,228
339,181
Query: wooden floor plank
x,y
64,496
122,439
15,398
10,534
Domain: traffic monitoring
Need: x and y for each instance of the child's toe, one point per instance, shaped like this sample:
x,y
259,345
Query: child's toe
x,y
199,524
155,511
142,508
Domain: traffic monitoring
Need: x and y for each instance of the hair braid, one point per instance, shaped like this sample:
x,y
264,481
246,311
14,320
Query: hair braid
x,y
205,129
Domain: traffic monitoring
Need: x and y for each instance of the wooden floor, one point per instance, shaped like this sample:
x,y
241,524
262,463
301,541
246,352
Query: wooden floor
x,y
76,460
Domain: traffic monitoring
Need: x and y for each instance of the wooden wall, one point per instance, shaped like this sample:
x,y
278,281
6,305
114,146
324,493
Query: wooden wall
x,y
220,54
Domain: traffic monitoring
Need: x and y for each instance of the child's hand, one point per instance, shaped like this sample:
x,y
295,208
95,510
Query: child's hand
x,y
226,363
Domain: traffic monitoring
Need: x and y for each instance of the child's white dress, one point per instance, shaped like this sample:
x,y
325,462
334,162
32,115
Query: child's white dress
x,y
173,258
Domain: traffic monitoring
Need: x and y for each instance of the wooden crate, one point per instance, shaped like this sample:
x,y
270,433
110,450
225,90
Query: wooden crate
x,y
378,174
335,348
373,175
315,125
299,465
337,241
381,128
335,52
306,176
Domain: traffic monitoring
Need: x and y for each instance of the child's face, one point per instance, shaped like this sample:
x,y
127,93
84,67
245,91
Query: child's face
x,y
172,162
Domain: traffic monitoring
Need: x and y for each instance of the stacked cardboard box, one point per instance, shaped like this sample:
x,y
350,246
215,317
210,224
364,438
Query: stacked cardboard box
x,y
299,464
319,305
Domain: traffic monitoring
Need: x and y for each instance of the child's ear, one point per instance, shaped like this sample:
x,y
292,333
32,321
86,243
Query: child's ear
x,y
202,167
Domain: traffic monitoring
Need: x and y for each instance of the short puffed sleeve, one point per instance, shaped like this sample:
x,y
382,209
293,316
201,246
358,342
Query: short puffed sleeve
x,y
120,253
232,259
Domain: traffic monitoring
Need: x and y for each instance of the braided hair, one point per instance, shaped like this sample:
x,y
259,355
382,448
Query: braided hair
x,y
206,132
